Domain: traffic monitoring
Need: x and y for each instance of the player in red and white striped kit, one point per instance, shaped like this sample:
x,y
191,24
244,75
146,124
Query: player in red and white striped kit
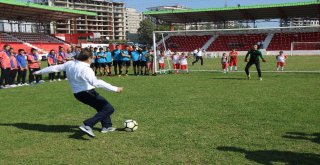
x,y
281,59
233,59
161,62
184,63
176,62
224,62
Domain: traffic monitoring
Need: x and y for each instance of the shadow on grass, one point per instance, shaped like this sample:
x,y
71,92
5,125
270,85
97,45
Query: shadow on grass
x,y
77,134
313,137
269,157
228,78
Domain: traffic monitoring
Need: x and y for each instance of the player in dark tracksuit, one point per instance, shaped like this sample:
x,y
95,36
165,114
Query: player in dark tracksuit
x,y
255,54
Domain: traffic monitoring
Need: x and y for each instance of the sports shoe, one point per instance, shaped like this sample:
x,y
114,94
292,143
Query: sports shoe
x,y
54,80
19,85
26,84
6,86
260,78
109,129
66,79
249,77
42,81
59,79
87,130
50,81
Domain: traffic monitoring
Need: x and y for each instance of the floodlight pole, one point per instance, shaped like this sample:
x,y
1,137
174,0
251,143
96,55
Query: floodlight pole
x,y
154,52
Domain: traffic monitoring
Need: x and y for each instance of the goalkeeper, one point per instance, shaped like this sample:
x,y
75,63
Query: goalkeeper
x,y
255,54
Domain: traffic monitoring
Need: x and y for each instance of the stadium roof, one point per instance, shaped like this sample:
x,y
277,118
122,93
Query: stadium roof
x,y
26,11
310,9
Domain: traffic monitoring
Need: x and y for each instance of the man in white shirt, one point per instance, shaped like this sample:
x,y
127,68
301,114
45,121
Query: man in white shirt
x,y
83,82
168,53
198,56
195,52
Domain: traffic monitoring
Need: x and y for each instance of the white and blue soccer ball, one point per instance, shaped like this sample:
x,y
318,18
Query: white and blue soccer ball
x,y
130,125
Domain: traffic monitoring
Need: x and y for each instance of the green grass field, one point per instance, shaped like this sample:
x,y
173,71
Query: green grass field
x,y
196,118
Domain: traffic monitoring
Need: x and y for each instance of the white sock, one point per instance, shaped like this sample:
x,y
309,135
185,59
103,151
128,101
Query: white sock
x,y
230,68
281,68
235,68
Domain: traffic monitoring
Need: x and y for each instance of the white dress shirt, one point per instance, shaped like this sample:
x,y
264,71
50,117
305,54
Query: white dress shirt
x,y
199,53
81,77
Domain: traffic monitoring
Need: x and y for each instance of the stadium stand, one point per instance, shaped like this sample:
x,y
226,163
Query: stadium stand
x,y
36,38
186,43
241,42
26,41
282,41
13,42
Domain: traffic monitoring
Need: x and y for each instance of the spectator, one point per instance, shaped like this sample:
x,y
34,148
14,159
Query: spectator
x,y
34,66
14,68
5,66
22,68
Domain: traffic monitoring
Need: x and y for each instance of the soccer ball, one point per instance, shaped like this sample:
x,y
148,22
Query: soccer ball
x,y
130,125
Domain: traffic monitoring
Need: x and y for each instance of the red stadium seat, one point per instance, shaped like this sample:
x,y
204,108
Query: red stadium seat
x,y
282,41
241,42
185,43
41,41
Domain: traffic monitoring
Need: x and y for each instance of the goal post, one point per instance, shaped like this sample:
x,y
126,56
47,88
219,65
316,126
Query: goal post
x,y
292,40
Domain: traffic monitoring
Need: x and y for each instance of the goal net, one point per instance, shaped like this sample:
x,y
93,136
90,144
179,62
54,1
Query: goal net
x,y
305,48
302,42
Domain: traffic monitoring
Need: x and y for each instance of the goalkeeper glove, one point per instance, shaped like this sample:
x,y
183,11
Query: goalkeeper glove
x,y
264,60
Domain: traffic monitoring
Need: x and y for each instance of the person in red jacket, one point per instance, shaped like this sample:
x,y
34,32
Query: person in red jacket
x,y
5,66
34,65
233,56
14,68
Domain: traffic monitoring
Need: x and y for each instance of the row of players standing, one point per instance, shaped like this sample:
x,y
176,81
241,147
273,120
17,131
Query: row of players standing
x,y
103,60
14,67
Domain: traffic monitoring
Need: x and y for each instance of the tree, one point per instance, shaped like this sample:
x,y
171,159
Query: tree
x,y
145,32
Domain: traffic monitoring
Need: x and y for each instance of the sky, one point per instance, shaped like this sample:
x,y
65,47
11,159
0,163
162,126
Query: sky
x,y
141,5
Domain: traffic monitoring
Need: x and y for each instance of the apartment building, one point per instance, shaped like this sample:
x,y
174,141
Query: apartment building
x,y
132,21
109,22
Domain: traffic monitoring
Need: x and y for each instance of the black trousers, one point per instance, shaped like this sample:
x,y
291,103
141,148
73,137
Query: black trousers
x,y
64,75
31,76
5,73
12,76
22,74
100,104
197,59
51,76
117,64
250,63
